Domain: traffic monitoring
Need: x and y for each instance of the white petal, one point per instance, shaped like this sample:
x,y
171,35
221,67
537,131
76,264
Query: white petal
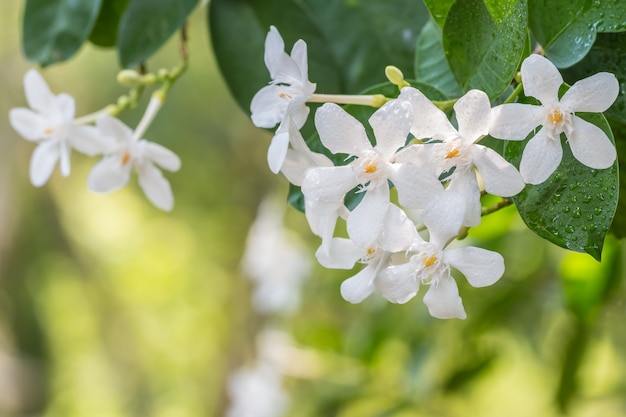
x,y
279,64
339,131
38,95
45,157
277,151
64,160
391,124
339,254
297,110
590,145
444,216
155,186
443,300
329,184
466,185
109,174
268,106
66,107
91,141
322,218
398,232
416,186
515,121
357,288
540,158
473,113
419,155
541,79
366,221
161,156
113,127
397,283
297,163
299,56
28,124
499,176
592,94
481,267
428,120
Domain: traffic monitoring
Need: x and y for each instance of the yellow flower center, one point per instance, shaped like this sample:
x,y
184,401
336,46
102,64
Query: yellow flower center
x,y
126,158
48,131
555,116
430,261
451,154
285,96
370,251
370,168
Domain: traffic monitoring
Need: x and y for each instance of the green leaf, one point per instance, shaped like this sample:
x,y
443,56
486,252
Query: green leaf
x,y
484,42
431,64
567,29
54,30
618,227
575,206
104,32
146,25
439,10
340,61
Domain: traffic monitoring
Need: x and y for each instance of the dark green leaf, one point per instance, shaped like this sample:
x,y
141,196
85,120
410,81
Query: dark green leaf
x,y
567,29
484,42
147,25
575,206
104,32
431,64
55,29
341,61
439,10
618,227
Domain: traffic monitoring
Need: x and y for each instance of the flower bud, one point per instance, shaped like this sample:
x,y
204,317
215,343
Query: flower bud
x,y
128,78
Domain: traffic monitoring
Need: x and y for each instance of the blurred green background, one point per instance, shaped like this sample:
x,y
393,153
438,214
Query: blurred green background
x,y
110,307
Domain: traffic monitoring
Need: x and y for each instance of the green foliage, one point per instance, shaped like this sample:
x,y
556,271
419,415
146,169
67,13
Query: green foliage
x,y
104,32
567,29
575,206
147,25
439,9
54,30
484,41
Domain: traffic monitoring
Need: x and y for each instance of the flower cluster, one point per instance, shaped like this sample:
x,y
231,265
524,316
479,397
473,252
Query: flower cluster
x,y
438,170
51,124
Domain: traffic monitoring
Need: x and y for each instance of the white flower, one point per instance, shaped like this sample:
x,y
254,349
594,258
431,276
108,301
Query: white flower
x,y
114,170
371,169
431,262
257,392
458,153
49,122
286,95
543,153
396,236
275,261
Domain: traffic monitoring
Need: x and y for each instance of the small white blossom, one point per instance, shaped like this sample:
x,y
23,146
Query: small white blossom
x,y
458,154
275,261
257,392
431,261
396,236
50,123
543,152
286,95
371,169
132,153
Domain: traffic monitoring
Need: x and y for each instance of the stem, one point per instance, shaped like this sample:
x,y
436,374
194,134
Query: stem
x,y
502,204
375,100
514,94
445,105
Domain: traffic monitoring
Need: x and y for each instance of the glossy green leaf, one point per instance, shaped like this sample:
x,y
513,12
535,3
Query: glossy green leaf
x,y
54,30
618,227
439,10
484,42
340,61
147,25
104,32
431,64
575,206
567,29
